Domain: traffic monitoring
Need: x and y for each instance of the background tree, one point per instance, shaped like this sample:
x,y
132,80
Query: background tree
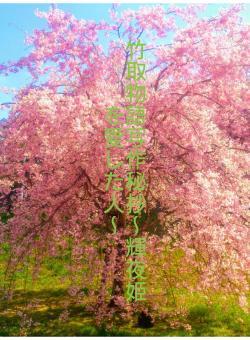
x,y
53,146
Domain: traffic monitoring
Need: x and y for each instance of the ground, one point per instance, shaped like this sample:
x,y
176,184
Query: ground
x,y
45,308
40,313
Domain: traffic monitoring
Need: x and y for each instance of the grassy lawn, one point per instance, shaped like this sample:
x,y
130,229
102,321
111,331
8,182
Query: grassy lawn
x,y
40,313
45,308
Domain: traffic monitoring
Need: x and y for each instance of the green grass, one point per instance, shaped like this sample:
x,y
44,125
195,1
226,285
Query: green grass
x,y
48,305
37,310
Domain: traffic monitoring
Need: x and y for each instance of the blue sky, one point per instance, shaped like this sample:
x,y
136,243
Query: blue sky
x,y
18,20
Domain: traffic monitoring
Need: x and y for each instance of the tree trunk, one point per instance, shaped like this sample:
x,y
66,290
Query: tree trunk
x,y
105,273
118,281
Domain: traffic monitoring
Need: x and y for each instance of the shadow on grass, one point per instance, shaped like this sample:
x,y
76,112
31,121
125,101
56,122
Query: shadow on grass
x,y
42,318
45,316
